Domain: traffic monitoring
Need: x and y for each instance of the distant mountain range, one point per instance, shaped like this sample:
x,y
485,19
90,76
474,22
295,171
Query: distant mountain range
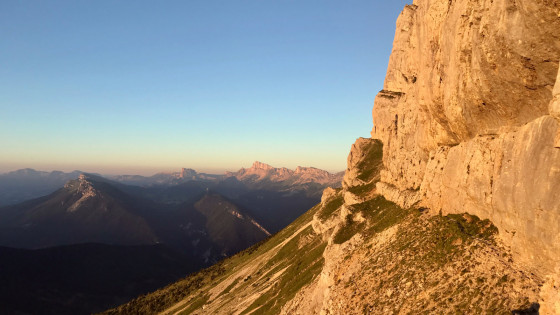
x,y
258,173
171,223
92,209
186,174
26,184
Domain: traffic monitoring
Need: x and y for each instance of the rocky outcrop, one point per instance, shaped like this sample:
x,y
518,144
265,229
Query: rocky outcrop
x,y
83,188
259,171
187,173
358,152
469,118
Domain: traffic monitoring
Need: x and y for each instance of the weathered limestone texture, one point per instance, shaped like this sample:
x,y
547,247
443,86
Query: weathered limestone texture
x,y
554,107
513,179
357,153
469,117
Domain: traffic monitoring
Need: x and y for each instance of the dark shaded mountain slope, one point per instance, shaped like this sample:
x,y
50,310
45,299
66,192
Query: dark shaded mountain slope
x,y
91,209
84,278
85,210
228,225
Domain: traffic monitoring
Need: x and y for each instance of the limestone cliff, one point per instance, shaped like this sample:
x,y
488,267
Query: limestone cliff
x,y
469,121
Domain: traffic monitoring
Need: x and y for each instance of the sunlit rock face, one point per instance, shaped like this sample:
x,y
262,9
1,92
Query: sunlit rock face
x,y
469,117
301,175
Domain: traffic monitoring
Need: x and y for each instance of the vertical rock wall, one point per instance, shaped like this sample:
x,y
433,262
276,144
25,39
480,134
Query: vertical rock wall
x,y
469,117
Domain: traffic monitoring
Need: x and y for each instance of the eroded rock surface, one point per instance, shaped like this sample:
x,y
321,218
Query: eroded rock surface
x,y
469,118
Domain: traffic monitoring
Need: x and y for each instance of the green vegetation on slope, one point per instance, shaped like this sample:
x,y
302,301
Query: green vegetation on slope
x,y
362,190
196,304
299,270
369,168
379,214
434,264
371,164
332,205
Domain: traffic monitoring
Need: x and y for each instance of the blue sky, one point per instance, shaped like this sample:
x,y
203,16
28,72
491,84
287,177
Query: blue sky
x,y
146,86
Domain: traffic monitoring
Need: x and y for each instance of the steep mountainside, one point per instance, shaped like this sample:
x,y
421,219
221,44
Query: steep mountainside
x,y
360,256
85,210
92,209
469,116
228,225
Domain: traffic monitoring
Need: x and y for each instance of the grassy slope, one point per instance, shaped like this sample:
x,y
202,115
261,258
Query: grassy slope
x,y
193,288
399,261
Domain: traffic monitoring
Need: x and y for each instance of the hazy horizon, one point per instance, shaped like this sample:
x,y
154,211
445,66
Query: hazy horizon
x,y
151,171
143,87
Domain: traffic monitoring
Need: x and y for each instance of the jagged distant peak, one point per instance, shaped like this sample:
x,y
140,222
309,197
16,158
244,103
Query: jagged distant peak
x,y
187,172
83,187
83,180
87,184
257,165
262,166
301,175
310,169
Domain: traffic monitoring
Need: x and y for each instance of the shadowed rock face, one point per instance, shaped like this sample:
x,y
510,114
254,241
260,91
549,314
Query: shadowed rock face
x,y
469,118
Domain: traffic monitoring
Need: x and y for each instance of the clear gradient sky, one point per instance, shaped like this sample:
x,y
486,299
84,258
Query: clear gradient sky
x,y
138,87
